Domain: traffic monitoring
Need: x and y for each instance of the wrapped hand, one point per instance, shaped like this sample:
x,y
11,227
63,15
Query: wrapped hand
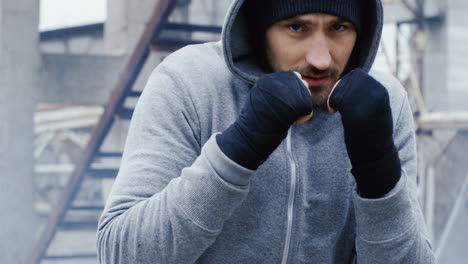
x,y
368,130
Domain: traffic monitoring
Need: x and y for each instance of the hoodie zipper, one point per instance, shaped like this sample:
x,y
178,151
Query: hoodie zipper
x,y
292,193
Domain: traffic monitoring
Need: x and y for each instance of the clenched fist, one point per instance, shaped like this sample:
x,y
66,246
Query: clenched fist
x,y
368,130
275,102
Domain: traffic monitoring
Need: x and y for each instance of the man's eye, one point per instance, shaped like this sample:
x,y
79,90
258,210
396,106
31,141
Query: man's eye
x,y
296,27
339,27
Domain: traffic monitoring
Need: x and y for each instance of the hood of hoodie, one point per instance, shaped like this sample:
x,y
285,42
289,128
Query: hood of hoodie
x,y
238,50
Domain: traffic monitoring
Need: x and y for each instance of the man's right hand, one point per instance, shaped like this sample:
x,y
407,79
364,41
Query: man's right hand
x,y
275,102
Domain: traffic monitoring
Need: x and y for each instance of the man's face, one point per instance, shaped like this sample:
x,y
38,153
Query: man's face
x,y
316,45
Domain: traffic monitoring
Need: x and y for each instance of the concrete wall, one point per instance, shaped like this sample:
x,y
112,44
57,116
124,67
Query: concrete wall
x,y
457,54
445,85
451,172
78,79
19,56
115,30
435,89
80,45
125,22
126,19
445,89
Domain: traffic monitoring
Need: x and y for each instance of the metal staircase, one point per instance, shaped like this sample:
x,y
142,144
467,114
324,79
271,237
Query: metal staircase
x,y
61,218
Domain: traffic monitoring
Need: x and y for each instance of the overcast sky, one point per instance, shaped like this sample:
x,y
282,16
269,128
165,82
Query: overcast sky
x,y
65,13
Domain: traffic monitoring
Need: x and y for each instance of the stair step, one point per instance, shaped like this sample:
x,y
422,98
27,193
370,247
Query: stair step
x,y
109,155
87,208
78,226
103,173
134,93
66,257
193,28
125,113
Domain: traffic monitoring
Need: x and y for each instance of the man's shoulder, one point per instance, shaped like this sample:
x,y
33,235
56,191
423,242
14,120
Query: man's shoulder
x,y
196,59
198,72
395,89
397,94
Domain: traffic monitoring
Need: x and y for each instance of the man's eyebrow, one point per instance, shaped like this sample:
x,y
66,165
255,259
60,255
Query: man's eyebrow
x,y
302,21
297,20
339,20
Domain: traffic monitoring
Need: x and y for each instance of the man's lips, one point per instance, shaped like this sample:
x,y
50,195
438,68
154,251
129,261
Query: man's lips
x,y
316,80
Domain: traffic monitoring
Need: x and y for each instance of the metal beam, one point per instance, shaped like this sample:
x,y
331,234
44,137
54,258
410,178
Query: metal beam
x,y
429,19
443,120
451,220
173,44
67,113
103,173
412,9
69,257
78,226
87,208
64,168
134,93
429,204
62,33
396,11
127,78
125,113
109,155
66,124
193,28
403,11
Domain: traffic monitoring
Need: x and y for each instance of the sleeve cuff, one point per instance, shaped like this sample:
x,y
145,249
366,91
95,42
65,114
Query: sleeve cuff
x,y
227,169
205,191
384,218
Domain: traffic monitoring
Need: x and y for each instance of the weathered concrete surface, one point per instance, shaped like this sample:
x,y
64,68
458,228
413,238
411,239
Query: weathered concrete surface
x,y
451,171
78,79
19,56
457,52
445,85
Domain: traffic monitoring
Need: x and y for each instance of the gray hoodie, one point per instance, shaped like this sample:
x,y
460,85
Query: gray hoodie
x,y
178,199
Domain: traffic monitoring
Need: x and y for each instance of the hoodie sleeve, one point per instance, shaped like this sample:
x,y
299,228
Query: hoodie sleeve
x,y
392,229
169,201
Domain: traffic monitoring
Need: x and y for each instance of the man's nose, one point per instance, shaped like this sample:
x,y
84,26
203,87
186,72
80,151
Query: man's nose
x,y
318,52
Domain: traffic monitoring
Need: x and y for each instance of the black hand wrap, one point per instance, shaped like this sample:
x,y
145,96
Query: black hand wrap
x,y
368,129
274,103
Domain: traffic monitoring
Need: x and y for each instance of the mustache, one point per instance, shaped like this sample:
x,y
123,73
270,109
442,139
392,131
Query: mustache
x,y
312,71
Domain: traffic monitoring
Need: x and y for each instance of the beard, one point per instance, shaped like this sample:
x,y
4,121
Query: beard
x,y
320,93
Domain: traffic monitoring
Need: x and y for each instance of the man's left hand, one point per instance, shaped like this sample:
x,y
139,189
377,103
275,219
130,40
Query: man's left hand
x,y
367,120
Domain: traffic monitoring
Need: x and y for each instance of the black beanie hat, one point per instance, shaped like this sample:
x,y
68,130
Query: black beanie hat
x,y
267,12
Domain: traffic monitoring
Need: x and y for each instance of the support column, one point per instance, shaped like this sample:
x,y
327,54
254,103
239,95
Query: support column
x,y
435,68
457,53
19,57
